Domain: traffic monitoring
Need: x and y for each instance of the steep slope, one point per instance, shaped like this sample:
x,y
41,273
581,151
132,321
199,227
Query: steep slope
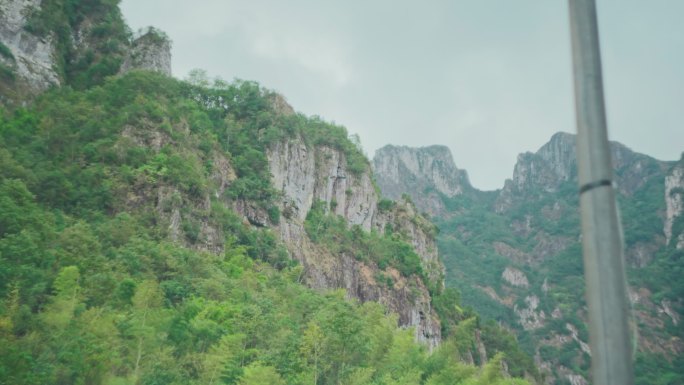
x,y
22,54
139,245
159,231
515,256
674,202
423,173
48,43
311,177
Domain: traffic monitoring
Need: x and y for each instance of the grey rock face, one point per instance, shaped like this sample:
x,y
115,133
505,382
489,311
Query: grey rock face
x,y
150,51
556,163
308,174
33,57
423,173
674,202
404,219
553,164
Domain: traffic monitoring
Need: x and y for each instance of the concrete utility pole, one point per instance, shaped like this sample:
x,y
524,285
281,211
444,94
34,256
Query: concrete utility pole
x,y
611,352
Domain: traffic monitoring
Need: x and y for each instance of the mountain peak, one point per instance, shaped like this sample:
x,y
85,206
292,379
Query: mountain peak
x,y
555,163
423,173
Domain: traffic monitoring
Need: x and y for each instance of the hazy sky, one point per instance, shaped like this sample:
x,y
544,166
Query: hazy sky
x,y
488,78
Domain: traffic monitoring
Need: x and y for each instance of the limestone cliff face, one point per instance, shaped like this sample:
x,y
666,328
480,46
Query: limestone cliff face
x,y
423,173
403,218
78,49
555,163
31,58
307,174
151,51
674,202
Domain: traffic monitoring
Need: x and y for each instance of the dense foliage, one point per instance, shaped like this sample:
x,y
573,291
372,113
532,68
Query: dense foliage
x,y
103,38
93,291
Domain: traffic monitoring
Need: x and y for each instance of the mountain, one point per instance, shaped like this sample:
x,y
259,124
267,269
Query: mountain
x,y
49,43
158,231
515,253
424,174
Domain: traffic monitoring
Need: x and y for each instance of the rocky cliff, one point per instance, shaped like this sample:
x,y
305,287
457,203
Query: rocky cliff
x,y
45,43
555,164
518,249
305,175
424,173
150,51
674,202
25,57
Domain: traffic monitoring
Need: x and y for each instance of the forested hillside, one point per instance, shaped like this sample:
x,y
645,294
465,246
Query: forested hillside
x,y
94,290
144,239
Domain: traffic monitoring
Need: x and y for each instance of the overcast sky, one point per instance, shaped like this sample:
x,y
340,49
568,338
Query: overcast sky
x,y
488,78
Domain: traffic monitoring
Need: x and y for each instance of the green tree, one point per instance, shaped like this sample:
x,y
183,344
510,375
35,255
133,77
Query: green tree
x,y
259,374
312,347
147,320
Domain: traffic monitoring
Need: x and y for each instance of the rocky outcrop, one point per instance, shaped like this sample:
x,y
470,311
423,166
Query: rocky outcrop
x,y
423,173
305,175
654,318
404,219
515,277
530,318
674,203
555,163
45,44
151,51
31,58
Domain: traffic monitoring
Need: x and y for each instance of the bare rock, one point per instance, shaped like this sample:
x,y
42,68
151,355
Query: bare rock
x,y
674,202
422,173
515,277
151,51
33,57
307,174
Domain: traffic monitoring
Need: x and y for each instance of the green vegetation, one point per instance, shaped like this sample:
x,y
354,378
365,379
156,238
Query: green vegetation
x,y
384,251
6,52
126,309
478,243
103,33
654,369
92,289
7,76
386,204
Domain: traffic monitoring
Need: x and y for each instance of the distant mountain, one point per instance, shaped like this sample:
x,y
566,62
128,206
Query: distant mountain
x,y
424,173
515,253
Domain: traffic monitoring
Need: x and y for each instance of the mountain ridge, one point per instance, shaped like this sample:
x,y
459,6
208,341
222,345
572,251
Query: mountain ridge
x,y
515,254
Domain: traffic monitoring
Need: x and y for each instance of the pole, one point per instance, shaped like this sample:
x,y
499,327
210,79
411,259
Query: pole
x,y
609,337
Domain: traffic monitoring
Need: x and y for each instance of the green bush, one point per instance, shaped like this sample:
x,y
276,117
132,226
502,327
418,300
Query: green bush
x,y
6,52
